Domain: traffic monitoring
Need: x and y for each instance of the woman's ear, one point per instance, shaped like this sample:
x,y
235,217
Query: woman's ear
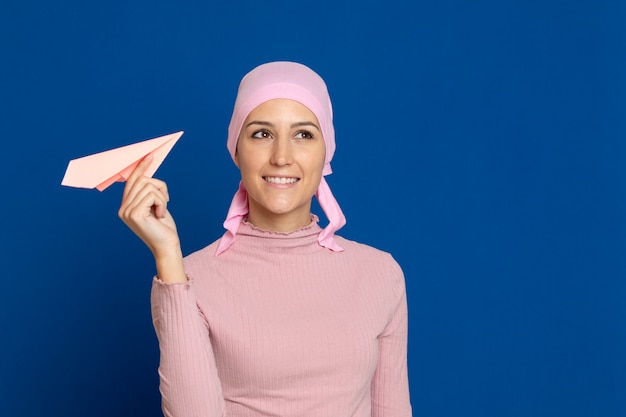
x,y
236,158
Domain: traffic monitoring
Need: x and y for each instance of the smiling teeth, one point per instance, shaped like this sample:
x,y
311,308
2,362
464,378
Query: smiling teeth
x,y
280,180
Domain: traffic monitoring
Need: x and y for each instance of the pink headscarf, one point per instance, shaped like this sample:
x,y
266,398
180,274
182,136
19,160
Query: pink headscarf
x,y
293,81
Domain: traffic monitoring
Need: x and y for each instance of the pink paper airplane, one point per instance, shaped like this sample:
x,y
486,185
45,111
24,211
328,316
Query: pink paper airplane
x,y
102,169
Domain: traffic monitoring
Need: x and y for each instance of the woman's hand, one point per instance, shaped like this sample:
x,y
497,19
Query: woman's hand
x,y
144,210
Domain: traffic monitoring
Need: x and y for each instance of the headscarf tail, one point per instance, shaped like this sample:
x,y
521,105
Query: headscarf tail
x,y
334,214
237,211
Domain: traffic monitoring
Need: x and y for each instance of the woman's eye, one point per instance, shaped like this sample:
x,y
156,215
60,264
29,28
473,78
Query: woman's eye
x,y
304,135
261,134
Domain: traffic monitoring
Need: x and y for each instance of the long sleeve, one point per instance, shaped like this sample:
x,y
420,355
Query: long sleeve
x,y
189,386
390,385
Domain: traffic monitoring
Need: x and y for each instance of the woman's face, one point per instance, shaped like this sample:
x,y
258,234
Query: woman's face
x,y
280,153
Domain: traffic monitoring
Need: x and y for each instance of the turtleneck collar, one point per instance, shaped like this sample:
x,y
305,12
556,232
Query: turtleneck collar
x,y
303,240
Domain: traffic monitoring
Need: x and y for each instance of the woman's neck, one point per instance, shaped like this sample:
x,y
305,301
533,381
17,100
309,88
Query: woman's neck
x,y
276,222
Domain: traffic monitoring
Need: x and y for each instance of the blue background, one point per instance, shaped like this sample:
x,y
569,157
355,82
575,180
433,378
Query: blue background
x,y
480,142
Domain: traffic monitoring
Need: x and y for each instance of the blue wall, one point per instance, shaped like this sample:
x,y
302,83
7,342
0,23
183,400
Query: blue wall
x,y
481,142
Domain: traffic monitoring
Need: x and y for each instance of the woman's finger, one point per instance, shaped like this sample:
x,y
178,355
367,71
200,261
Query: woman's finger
x,y
140,218
147,196
138,172
141,187
149,205
162,187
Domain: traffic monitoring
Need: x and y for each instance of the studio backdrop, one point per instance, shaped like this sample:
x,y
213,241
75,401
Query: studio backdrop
x,y
481,143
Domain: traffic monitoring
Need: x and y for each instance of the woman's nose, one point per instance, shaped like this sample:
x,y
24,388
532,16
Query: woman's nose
x,y
281,152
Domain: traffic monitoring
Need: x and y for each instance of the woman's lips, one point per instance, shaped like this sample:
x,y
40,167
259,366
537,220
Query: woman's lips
x,y
281,180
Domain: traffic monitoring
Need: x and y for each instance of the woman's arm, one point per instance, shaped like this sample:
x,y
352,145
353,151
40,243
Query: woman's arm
x,y
189,382
144,210
390,385
190,386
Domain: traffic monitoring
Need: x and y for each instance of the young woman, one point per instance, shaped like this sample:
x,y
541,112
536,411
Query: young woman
x,y
279,317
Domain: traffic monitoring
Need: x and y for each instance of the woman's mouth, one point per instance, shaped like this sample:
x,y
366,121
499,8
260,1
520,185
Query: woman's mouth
x,y
281,180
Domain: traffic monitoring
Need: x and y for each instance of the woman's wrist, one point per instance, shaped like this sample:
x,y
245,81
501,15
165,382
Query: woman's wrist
x,y
169,266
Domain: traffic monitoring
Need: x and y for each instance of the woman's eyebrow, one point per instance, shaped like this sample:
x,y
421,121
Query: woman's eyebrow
x,y
258,122
300,124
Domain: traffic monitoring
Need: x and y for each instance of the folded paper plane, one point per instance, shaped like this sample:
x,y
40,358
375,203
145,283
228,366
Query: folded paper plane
x,y
102,169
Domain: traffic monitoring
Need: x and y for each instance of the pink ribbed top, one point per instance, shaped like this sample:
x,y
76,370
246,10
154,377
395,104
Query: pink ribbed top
x,y
280,326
